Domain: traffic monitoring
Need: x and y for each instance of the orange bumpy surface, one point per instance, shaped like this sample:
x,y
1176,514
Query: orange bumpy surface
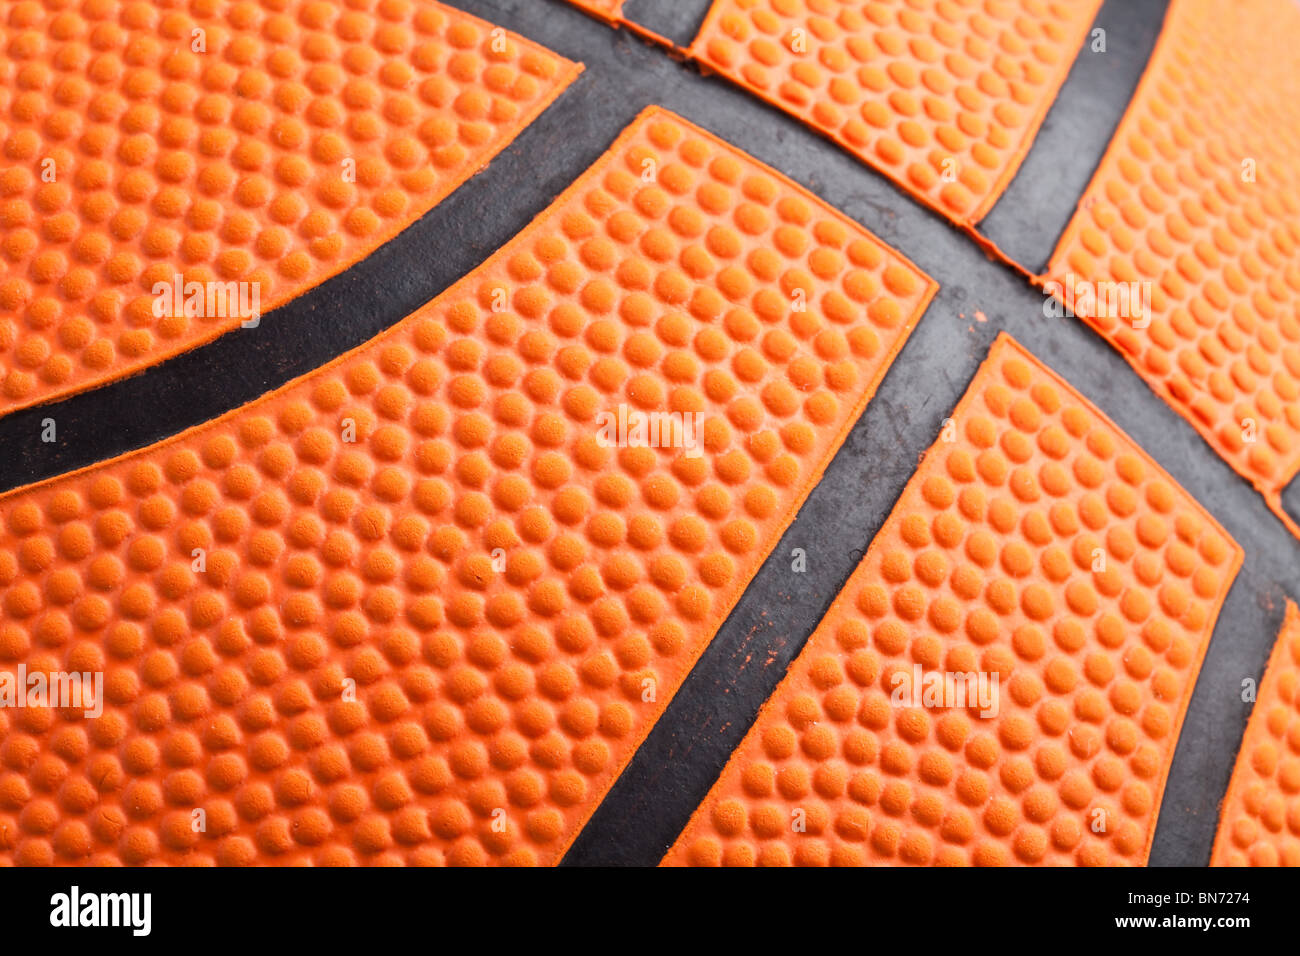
x,y
1259,824
942,96
1036,543
1199,196
265,142
440,643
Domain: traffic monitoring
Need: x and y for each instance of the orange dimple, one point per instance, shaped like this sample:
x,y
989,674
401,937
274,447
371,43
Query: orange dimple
x,y
1259,823
307,145
942,121
438,588
1177,256
1015,774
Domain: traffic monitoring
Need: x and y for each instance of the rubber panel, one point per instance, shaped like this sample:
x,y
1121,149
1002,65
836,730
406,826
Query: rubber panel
x,y
262,144
943,97
1259,824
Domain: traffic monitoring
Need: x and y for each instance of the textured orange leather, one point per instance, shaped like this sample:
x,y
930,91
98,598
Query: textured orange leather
x,y
1198,202
1036,543
1259,824
440,642
265,143
942,96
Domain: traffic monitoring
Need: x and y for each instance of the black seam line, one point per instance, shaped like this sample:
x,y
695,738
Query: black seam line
x,y
679,21
1028,219
1291,498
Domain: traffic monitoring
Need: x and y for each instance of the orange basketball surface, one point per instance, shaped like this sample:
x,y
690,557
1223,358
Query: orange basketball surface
x,y
1259,823
1038,547
1197,206
943,97
186,146
422,605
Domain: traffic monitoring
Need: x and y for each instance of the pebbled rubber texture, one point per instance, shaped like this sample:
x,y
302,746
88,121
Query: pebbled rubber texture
x,y
514,601
942,96
1259,823
1170,206
299,137
1035,542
